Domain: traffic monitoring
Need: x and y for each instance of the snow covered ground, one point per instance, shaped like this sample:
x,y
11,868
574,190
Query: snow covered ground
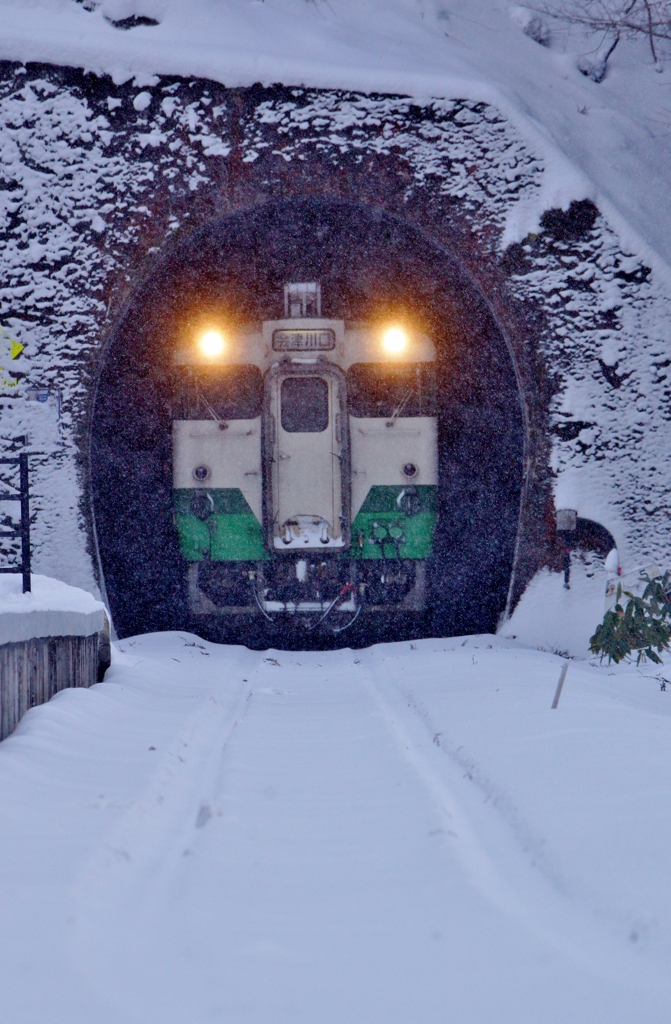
x,y
405,834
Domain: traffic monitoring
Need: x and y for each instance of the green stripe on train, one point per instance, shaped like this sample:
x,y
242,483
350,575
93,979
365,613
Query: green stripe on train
x,y
217,524
395,521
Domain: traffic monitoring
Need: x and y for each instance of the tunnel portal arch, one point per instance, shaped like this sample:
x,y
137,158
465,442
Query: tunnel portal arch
x,y
370,263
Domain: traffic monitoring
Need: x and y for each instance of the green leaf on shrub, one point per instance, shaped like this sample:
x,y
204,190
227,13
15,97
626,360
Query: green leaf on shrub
x,y
643,624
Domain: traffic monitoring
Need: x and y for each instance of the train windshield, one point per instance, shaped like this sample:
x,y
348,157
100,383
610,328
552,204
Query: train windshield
x,y
383,391
232,393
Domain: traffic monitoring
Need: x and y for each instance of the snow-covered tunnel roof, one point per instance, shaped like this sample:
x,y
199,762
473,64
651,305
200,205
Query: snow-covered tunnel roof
x,y
609,142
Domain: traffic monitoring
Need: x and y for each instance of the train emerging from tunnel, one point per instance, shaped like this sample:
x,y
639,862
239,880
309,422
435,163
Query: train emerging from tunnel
x,y
305,467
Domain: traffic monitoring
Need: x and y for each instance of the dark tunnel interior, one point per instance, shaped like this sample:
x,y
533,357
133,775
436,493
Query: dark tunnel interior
x,y
370,264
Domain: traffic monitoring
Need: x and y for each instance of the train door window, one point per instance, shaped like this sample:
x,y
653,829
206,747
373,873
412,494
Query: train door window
x,y
381,391
304,405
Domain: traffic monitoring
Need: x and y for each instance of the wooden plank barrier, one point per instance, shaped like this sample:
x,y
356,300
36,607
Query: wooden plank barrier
x,y
32,671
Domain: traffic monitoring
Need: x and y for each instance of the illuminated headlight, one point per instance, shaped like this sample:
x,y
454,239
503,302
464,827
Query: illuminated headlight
x,y
394,341
211,344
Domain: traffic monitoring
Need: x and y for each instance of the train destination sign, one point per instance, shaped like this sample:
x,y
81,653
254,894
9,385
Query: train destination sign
x,y
302,340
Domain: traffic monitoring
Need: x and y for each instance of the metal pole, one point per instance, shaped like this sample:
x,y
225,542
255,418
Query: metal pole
x,y
567,560
25,522
560,685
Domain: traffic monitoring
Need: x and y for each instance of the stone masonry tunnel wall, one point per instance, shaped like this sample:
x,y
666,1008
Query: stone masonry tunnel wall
x,y
100,182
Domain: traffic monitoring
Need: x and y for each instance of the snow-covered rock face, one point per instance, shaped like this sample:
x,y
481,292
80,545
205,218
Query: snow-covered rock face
x,y
99,181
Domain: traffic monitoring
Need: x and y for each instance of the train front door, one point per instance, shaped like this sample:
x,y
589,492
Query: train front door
x,y
307,478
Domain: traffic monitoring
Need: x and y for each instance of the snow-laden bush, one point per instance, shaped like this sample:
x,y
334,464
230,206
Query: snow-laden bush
x,y
532,24
538,29
594,69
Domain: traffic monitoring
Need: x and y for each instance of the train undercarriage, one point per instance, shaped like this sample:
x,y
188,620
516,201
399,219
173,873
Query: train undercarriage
x,y
330,593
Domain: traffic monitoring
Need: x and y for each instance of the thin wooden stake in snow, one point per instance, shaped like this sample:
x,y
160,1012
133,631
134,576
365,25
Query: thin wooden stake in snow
x,y
560,684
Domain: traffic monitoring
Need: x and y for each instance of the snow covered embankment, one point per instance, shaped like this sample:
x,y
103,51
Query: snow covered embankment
x,y
367,836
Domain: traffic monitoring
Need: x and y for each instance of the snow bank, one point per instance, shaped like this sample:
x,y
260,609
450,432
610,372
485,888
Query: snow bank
x,y
51,609
554,619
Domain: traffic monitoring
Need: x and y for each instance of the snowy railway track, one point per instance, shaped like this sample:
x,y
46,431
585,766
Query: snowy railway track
x,y
304,837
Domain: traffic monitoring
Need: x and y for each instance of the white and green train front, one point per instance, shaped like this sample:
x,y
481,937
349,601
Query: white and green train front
x,y
305,470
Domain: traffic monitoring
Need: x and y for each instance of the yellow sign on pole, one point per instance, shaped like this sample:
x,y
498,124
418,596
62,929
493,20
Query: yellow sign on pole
x,y
10,349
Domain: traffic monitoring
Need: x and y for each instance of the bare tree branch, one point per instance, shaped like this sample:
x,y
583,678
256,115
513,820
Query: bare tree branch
x,y
651,18
614,19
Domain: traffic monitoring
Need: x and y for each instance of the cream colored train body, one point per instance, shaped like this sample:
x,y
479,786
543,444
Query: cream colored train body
x,y
305,467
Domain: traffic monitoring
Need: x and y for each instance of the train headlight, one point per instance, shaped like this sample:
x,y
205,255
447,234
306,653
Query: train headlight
x,y
395,341
211,344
